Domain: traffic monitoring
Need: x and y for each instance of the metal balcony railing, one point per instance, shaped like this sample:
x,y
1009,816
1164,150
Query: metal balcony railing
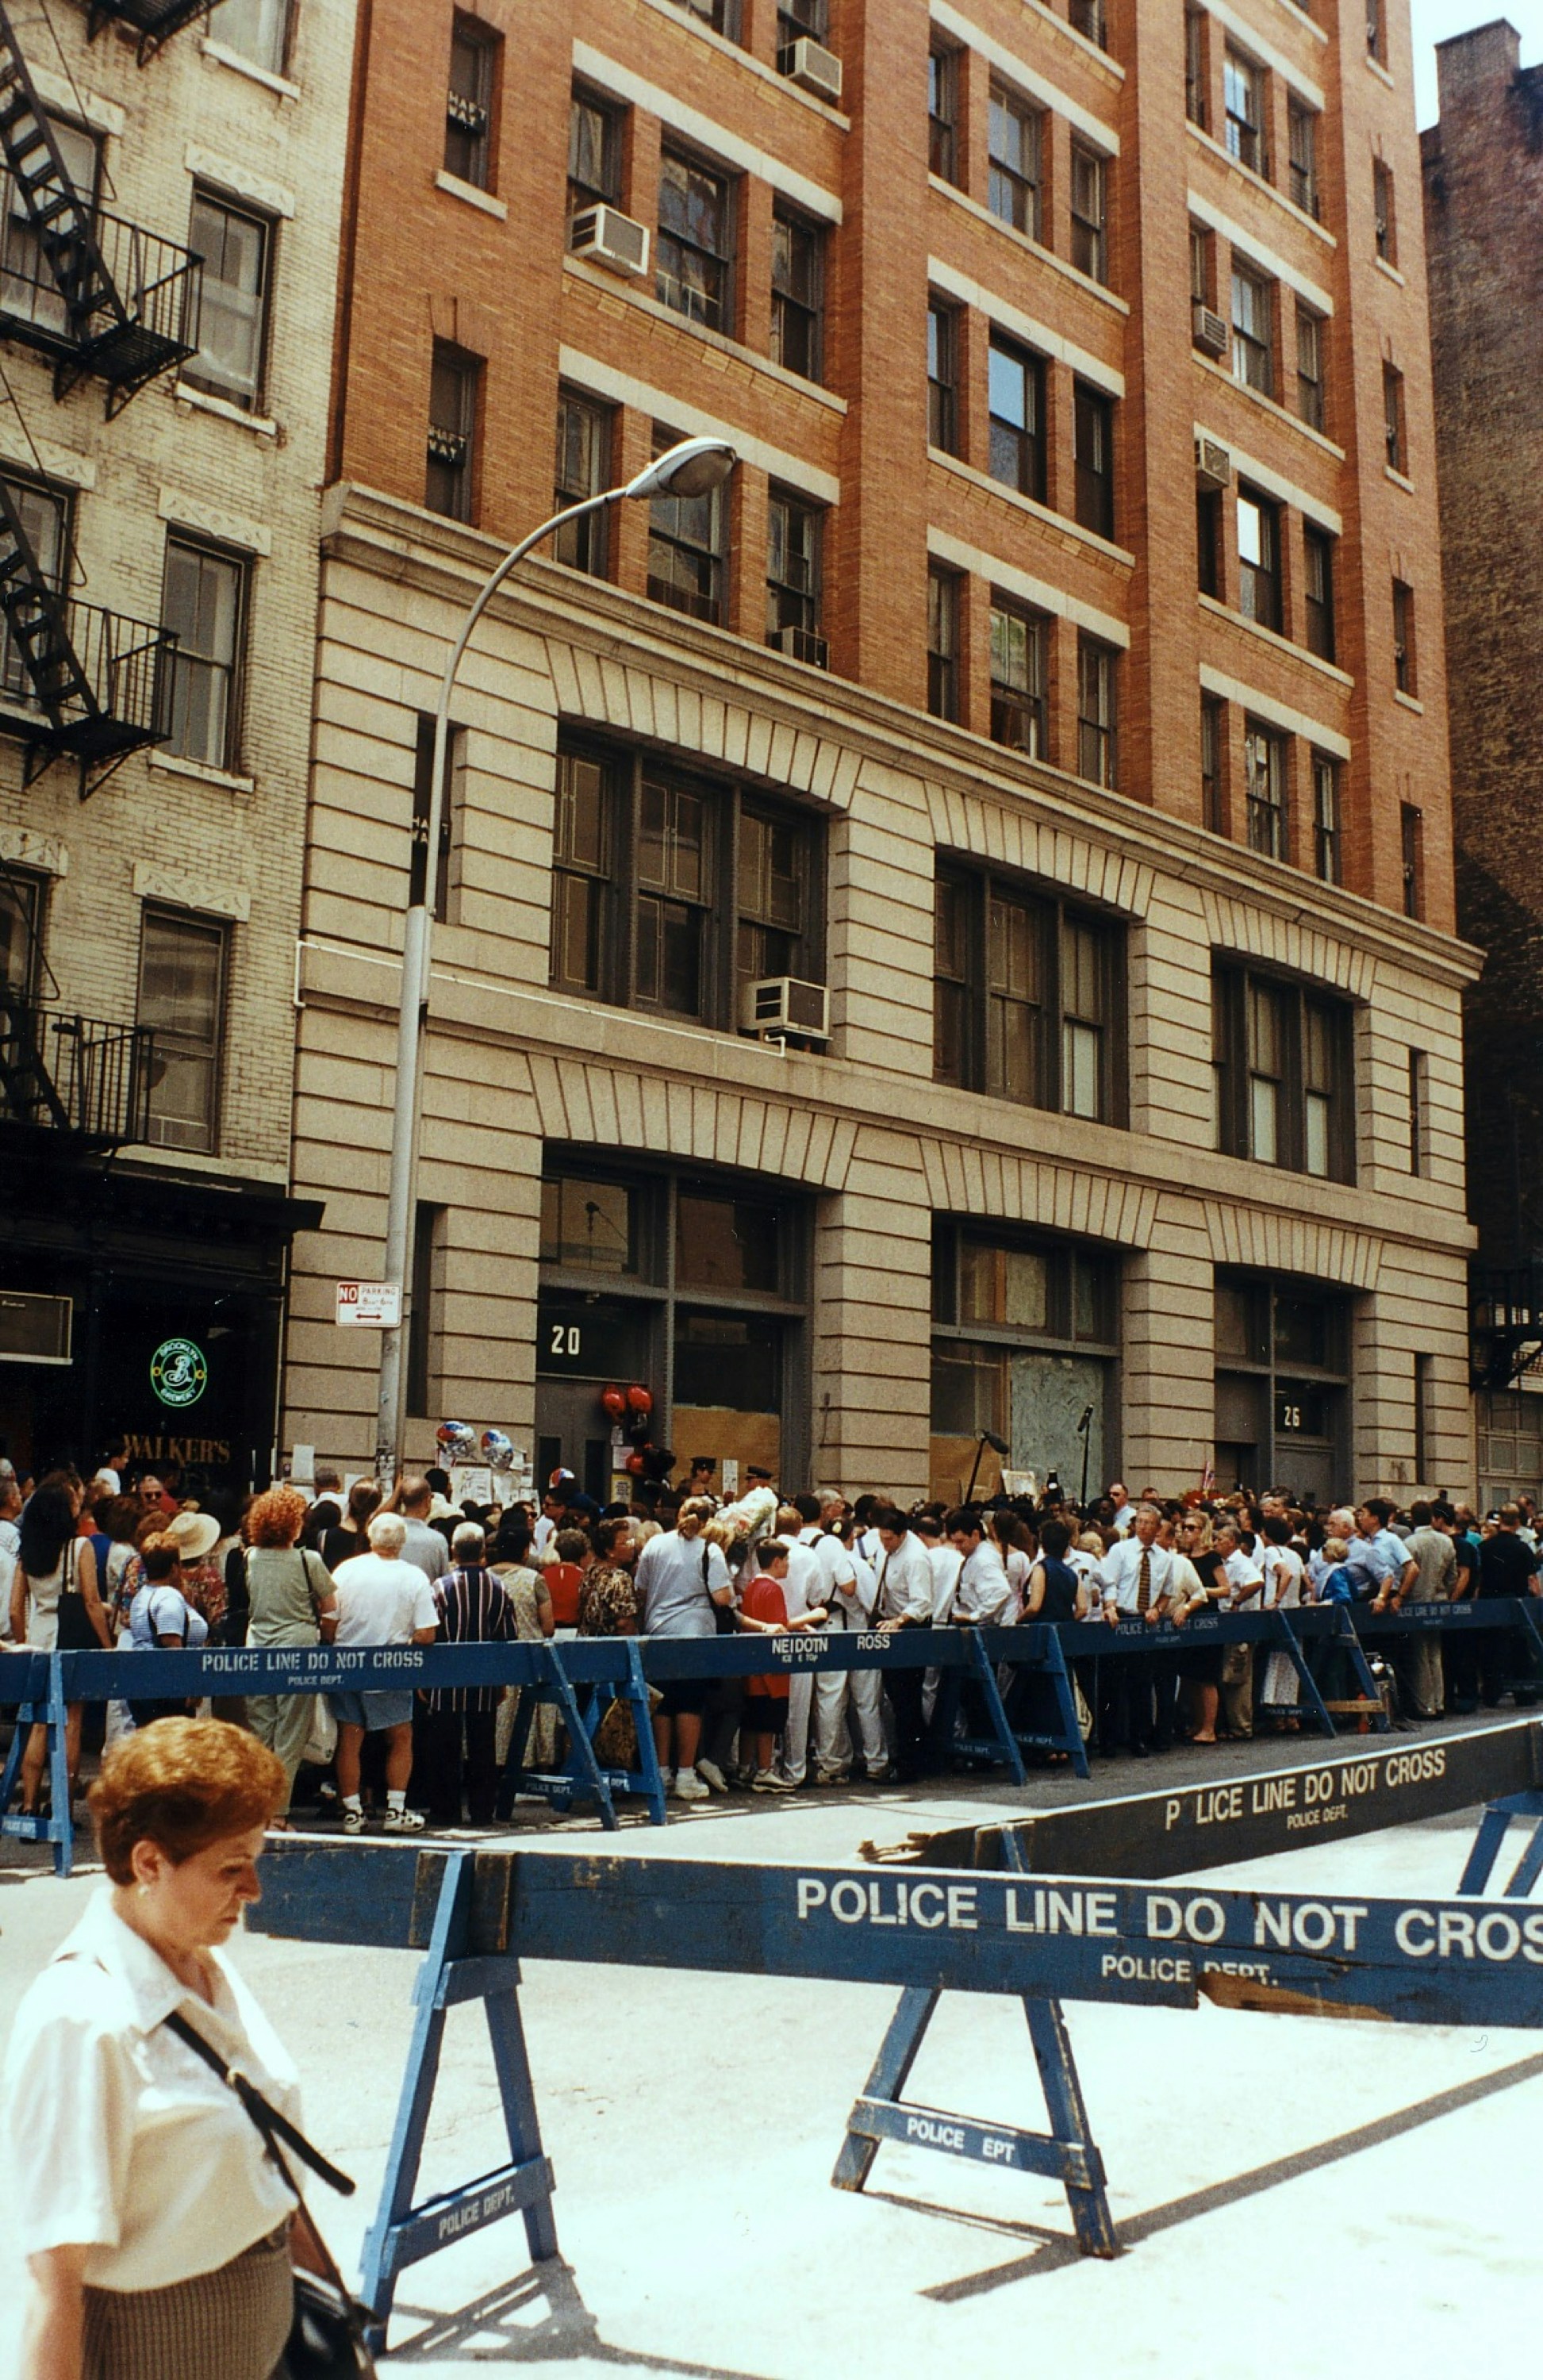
x,y
154,20
74,1074
1505,1322
111,695
137,318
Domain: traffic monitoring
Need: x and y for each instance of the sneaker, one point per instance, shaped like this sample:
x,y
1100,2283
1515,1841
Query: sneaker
x,y
766,1780
712,1775
353,1822
836,1777
688,1786
404,1822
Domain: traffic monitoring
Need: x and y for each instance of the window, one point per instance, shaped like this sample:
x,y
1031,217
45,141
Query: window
x,y
1411,836
235,247
1213,737
1087,17
454,379
256,30
469,105
1202,276
1405,674
1282,1058
1090,243
685,547
204,599
426,1290
801,20
1207,541
1194,66
1016,397
23,901
28,287
672,892
1244,91
942,642
797,293
1025,1328
1328,833
1392,416
1310,366
1419,1112
1252,331
1377,32
722,16
1385,218
793,556
1302,127
1264,771
47,517
942,369
1093,446
586,438
1014,140
1259,554
696,242
942,113
591,1225
452,815
182,996
1019,645
1097,711
594,154
1028,993
1318,558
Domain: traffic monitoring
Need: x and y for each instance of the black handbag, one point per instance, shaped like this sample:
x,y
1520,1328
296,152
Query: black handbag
x,y
327,2334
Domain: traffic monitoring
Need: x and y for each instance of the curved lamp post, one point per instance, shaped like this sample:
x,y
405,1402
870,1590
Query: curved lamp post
x,y
692,468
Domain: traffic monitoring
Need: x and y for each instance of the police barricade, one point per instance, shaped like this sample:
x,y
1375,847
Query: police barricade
x,y
478,1915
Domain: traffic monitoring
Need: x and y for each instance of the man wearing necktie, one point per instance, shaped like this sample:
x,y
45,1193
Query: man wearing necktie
x,y
1133,1579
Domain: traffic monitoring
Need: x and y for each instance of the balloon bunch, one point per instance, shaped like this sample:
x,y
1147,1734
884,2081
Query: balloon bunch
x,y
633,1408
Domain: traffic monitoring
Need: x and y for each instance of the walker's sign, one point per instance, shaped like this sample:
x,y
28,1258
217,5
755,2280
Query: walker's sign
x,y
1249,1817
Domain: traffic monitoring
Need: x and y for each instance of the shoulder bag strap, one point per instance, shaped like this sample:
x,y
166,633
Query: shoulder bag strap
x,y
274,2125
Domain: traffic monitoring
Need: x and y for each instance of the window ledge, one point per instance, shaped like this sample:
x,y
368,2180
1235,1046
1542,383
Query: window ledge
x,y
1268,405
1390,270
482,200
1399,479
1408,702
594,276
1376,67
1278,643
281,87
1073,531
1256,182
202,773
1302,20
675,14
1021,241
260,425
1079,42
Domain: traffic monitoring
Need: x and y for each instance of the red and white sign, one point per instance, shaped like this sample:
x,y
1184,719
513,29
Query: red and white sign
x,y
370,1305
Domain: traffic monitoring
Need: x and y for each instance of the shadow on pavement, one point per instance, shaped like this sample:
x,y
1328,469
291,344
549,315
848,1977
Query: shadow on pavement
x,y
497,2328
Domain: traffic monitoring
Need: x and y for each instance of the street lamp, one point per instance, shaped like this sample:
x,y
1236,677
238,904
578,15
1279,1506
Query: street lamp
x,y
694,467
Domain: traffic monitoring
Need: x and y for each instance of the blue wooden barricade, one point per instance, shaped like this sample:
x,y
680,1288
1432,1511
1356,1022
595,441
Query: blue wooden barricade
x,y
480,1914
35,1684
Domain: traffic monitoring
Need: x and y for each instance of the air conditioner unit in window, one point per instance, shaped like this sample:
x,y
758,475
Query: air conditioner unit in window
x,y
1208,330
34,1329
780,1005
812,67
607,236
1214,465
803,645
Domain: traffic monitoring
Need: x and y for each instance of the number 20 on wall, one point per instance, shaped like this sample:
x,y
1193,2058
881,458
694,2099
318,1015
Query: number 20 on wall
x,y
565,1339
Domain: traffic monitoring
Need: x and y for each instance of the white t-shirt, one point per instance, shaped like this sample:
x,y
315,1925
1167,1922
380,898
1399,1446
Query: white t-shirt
x,y
946,1561
115,2136
801,1588
382,1602
1281,1566
1243,1571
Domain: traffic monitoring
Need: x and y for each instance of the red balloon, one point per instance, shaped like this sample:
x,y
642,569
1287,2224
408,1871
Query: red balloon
x,y
635,1464
613,1401
639,1400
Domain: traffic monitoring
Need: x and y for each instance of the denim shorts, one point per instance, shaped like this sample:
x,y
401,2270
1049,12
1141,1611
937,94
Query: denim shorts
x,y
373,1711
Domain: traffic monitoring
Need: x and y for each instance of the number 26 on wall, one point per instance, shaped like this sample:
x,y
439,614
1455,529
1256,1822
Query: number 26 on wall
x,y
565,1339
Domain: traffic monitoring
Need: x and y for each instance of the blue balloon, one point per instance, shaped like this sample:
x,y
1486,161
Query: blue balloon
x,y
498,1450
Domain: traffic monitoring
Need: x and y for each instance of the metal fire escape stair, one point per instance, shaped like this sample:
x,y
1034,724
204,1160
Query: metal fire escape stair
x,y
38,631
27,1090
123,343
154,20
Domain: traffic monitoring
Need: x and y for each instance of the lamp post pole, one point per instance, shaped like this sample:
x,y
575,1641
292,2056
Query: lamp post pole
x,y
694,467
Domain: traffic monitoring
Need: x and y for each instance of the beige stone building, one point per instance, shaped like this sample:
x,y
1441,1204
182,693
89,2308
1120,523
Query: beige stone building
x,y
1133,1128
167,297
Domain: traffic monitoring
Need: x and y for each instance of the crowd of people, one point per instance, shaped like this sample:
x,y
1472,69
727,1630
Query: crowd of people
x,y
103,1562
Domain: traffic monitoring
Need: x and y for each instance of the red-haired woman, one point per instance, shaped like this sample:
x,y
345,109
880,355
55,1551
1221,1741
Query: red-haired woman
x,y
289,1589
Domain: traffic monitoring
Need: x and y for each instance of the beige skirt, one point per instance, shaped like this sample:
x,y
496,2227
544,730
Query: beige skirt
x,y
229,2324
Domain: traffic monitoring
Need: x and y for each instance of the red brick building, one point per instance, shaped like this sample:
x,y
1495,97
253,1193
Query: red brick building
x,y
1057,689
1483,164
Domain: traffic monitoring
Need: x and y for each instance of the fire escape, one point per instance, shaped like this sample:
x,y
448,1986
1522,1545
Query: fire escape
x,y
1505,1323
101,299
63,1073
154,20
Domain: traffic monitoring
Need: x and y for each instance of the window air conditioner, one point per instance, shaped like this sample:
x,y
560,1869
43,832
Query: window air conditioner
x,y
1214,465
780,1005
812,67
803,645
607,236
1208,330
34,1329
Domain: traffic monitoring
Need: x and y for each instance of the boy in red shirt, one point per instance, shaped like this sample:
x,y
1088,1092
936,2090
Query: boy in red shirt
x,y
763,1610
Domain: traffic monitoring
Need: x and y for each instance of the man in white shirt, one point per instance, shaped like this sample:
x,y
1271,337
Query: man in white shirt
x,y
1246,1578
1135,1579
421,1544
382,1598
1124,1511
982,1592
904,1590
851,1591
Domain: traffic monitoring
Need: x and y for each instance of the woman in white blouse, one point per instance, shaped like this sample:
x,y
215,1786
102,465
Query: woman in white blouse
x,y
158,2233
